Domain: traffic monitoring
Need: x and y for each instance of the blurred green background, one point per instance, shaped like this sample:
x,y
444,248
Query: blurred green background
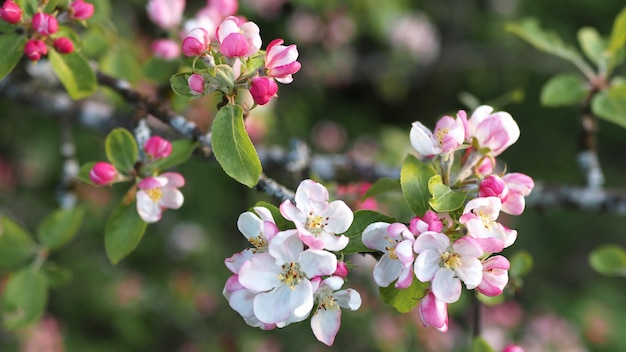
x,y
370,68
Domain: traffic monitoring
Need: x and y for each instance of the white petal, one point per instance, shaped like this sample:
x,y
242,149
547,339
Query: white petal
x,y
334,243
374,236
349,299
301,299
315,262
148,210
446,287
270,307
431,240
325,324
249,225
478,116
171,198
264,214
386,270
422,140
470,271
310,191
340,217
291,212
427,265
285,247
404,251
235,262
260,273
242,302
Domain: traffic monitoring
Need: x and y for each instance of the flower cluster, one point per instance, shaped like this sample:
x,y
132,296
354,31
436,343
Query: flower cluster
x,y
449,248
42,28
287,273
156,192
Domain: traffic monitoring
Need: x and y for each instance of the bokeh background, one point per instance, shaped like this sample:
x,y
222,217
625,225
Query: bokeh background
x,y
370,68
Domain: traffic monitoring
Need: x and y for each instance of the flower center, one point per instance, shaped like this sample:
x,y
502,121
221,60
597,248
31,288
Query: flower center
x,y
291,275
155,193
441,134
315,224
259,241
326,301
450,260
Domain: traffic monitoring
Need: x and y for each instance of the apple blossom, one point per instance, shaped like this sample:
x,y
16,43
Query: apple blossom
x,y
158,193
11,12
280,61
318,222
196,84
479,216
259,229
263,89
63,45
157,148
448,136
167,14
447,264
165,49
80,10
396,242
238,40
434,312
45,24
326,319
429,222
102,173
519,186
495,276
496,131
281,277
34,49
196,42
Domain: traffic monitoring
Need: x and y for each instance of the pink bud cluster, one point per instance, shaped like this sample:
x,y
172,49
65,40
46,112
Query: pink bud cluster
x,y
156,193
288,274
447,250
42,28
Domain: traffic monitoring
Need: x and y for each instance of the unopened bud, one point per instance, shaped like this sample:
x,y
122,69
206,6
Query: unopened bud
x,y
342,269
34,49
196,84
102,173
81,10
263,89
11,12
63,45
45,24
157,148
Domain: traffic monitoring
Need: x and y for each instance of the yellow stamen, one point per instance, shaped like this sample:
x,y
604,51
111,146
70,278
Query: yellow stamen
x,y
154,193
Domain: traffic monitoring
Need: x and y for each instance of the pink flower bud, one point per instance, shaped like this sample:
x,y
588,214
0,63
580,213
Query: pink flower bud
x,y
45,24
157,148
11,12
493,186
280,61
513,348
263,89
165,49
196,84
342,269
166,14
63,45
102,173
485,167
80,10
196,42
238,40
429,222
519,186
493,130
495,276
434,312
34,49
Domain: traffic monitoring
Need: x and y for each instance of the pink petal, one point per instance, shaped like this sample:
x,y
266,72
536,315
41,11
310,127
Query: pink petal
x,y
325,324
174,179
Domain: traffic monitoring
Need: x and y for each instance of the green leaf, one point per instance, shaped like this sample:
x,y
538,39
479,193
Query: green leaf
x,y
610,104
121,149
480,345
30,7
593,45
414,177
609,259
618,34
120,61
282,223
60,227
25,297
381,186
404,300
83,173
564,89
123,232
181,151
16,244
232,147
521,264
362,218
159,71
56,274
12,51
444,199
547,41
74,72
180,86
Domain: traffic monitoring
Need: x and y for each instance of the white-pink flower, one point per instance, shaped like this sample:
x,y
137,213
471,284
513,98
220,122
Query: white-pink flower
x,y
158,193
448,136
479,216
326,319
196,84
318,222
238,40
280,61
281,278
493,130
447,264
519,186
495,276
396,242
259,229
429,222
434,312
241,300
196,42
166,14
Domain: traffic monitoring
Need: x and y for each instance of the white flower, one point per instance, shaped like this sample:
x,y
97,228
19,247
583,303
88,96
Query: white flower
x,y
326,320
318,221
157,193
396,243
